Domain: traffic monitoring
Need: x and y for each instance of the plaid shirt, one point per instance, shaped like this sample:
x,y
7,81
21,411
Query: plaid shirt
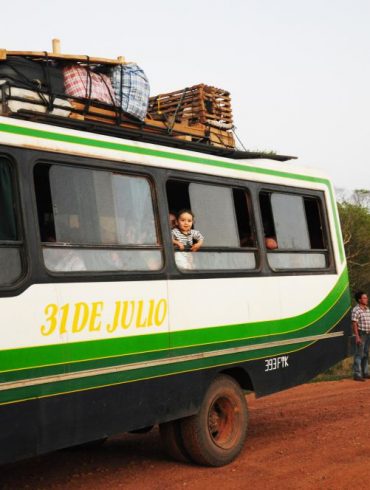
x,y
362,317
131,88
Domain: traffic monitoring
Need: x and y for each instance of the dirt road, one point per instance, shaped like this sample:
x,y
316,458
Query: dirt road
x,y
316,436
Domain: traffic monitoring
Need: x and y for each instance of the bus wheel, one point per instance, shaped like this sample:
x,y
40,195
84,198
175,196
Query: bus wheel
x,y
172,442
216,434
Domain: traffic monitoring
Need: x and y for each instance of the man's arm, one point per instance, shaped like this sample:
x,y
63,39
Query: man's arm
x,y
355,331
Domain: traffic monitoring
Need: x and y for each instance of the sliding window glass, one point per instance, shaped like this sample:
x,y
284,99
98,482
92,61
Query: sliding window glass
x,y
10,244
295,235
222,216
94,220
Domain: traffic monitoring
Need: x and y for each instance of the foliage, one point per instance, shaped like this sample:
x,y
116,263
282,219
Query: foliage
x,y
354,215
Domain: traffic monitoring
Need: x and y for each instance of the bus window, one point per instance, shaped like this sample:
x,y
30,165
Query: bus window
x,y
314,223
293,223
246,232
10,259
215,214
222,216
96,220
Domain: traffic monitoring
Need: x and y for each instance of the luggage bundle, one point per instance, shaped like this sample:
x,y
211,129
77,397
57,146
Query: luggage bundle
x,y
25,73
20,99
81,82
28,85
126,87
110,92
131,88
39,83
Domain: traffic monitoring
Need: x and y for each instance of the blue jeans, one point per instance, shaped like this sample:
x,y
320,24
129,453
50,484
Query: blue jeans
x,y
361,357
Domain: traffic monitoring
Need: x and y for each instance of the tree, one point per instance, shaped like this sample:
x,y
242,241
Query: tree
x,y
354,215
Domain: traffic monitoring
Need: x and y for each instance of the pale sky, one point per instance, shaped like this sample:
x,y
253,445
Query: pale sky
x,y
298,70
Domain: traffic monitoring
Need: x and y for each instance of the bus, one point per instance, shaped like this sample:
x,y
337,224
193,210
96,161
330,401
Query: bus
x,y
105,329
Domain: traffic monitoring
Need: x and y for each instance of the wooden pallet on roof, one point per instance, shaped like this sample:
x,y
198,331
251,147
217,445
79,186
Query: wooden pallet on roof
x,y
199,103
196,132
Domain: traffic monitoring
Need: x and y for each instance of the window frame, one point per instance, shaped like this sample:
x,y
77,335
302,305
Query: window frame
x,y
18,244
110,167
318,196
232,184
158,178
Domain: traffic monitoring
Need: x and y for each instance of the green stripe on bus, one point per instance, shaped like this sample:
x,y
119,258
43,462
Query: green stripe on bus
x,y
332,318
262,329
111,379
79,140
33,357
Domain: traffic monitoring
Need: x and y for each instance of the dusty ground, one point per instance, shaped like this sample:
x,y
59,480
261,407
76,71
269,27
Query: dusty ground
x,y
316,436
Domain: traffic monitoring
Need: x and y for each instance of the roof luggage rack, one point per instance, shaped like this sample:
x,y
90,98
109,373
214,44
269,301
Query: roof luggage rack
x,y
197,118
138,134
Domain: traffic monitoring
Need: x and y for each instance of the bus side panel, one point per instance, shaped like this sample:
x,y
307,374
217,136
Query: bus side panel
x,y
45,424
38,426
273,374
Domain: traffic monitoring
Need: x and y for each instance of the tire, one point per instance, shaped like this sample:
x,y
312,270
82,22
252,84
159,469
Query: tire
x,y
216,434
172,442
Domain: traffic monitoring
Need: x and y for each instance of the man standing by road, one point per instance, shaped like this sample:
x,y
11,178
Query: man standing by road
x,y
361,330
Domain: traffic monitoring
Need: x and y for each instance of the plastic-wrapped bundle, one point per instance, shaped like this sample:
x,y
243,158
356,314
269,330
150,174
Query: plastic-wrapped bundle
x,y
131,88
18,99
24,73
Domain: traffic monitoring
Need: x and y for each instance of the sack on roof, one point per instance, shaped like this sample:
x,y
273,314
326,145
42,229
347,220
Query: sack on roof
x,y
84,83
24,73
15,99
131,88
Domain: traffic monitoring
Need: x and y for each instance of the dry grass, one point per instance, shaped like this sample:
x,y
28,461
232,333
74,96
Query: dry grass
x,y
340,371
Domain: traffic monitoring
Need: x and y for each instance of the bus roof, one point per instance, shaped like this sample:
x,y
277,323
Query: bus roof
x,y
140,134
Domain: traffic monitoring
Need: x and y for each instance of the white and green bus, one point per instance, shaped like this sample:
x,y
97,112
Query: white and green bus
x,y
104,330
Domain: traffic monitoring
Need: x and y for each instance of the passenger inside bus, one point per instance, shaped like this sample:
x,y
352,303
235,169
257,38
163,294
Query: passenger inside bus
x,y
172,220
69,261
271,242
63,258
186,239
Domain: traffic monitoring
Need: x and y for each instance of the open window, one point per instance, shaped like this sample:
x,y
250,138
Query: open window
x,y
94,220
295,235
10,244
222,215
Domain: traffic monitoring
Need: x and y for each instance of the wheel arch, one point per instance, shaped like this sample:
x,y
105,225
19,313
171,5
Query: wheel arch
x,y
240,375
